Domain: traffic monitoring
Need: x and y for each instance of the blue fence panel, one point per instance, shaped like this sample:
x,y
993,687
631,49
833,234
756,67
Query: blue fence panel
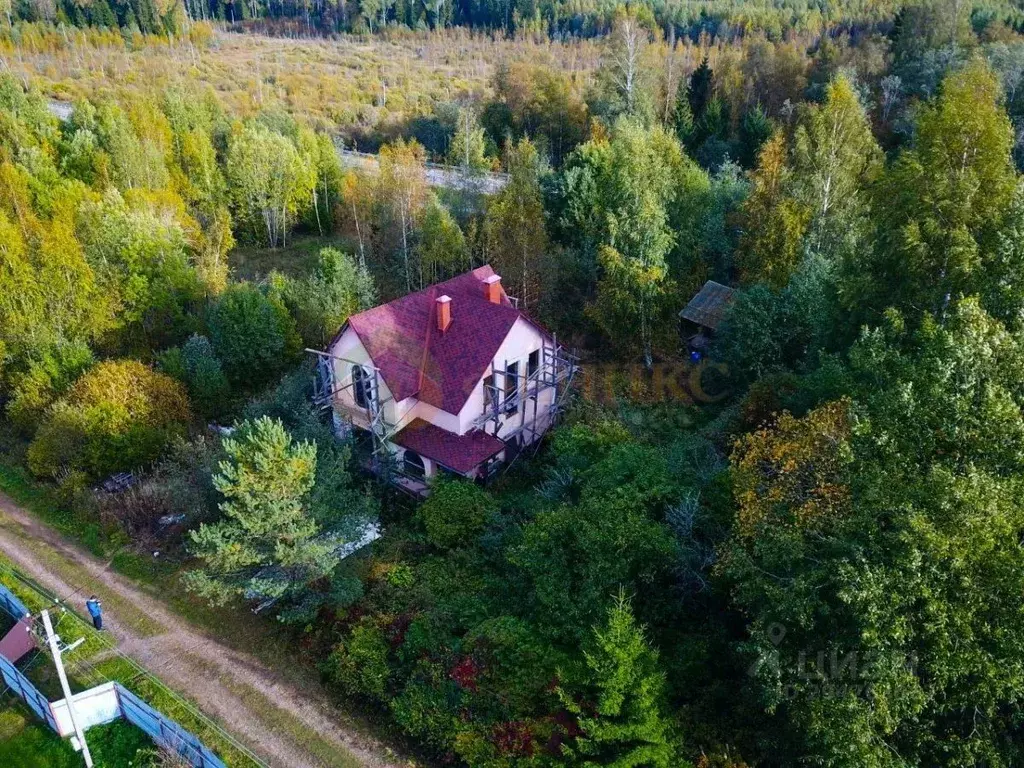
x,y
165,732
20,684
11,604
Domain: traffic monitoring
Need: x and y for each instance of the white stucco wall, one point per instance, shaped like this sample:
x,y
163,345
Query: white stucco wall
x,y
523,339
345,352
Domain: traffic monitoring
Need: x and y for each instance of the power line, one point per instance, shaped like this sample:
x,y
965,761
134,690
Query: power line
x,y
140,671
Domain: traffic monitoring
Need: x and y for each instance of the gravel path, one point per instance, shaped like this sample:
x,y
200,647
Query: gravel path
x,y
221,681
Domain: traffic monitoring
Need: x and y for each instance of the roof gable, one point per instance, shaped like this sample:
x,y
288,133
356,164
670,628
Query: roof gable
x,y
416,359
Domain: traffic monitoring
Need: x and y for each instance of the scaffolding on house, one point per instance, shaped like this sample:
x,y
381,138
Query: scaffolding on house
x,y
554,372
326,389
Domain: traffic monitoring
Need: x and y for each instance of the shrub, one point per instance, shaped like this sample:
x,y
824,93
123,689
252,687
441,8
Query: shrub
x,y
201,372
323,301
455,513
117,417
360,663
253,335
46,378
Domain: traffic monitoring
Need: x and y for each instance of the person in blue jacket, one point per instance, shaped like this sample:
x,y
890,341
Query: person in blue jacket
x,y
95,608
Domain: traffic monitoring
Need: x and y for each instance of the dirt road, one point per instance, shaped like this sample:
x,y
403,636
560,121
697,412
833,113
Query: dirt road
x,y
272,718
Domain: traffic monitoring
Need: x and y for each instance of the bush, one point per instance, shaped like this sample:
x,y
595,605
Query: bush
x,y
323,301
360,663
46,378
117,417
201,372
253,335
455,513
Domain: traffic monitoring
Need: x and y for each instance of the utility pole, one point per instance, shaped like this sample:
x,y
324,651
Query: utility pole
x,y
59,663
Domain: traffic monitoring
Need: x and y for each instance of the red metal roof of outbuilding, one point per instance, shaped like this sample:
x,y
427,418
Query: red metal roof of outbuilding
x,y
459,452
415,358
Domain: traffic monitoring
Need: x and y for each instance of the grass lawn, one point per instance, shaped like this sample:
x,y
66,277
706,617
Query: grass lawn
x,y
27,743
295,260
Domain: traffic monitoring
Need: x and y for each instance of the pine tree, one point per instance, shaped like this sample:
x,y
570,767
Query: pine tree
x,y
620,709
267,545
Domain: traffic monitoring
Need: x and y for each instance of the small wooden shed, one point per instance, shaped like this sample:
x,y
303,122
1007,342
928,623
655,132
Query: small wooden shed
x,y
701,317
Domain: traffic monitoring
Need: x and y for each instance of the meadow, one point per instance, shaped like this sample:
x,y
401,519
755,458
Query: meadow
x,y
356,85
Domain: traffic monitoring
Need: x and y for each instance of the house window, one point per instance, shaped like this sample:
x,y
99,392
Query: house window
x,y
511,387
533,363
360,386
489,394
413,464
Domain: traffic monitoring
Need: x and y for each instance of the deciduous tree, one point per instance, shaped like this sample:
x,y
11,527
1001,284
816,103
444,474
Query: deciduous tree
x,y
517,241
774,221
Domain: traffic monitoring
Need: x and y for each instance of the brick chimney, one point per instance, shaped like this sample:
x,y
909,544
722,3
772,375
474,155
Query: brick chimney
x,y
492,289
444,313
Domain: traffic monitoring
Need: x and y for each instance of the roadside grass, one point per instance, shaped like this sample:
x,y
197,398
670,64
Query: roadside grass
x,y
236,627
283,722
26,743
97,661
16,483
80,577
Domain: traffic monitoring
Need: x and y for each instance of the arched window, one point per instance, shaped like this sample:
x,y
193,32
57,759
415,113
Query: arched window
x,y
360,386
414,463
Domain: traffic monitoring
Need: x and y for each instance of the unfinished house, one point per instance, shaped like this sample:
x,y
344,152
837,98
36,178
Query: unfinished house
x,y
454,378
701,317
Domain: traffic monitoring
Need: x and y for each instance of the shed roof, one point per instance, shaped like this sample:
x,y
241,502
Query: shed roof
x,y
708,306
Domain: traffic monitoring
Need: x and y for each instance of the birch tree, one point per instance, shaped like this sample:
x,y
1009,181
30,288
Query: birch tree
x,y
516,234
268,179
624,61
939,206
835,158
402,192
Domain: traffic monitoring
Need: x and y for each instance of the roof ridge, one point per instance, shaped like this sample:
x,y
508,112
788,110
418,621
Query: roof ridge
x,y
432,297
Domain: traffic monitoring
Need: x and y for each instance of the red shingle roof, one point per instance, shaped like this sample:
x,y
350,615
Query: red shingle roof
x,y
459,452
415,358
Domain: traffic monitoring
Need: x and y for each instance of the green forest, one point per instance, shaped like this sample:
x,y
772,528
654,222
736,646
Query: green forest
x,y
824,566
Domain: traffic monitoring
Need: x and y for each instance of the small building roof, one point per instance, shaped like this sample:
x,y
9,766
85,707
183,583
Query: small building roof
x,y
709,305
461,453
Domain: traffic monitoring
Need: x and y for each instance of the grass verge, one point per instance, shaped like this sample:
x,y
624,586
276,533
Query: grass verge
x,y
236,628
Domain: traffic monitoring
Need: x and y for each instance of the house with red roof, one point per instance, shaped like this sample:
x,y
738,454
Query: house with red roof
x,y
453,378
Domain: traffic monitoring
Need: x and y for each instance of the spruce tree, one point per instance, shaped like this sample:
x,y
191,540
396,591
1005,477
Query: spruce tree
x,y
620,709
700,89
682,117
